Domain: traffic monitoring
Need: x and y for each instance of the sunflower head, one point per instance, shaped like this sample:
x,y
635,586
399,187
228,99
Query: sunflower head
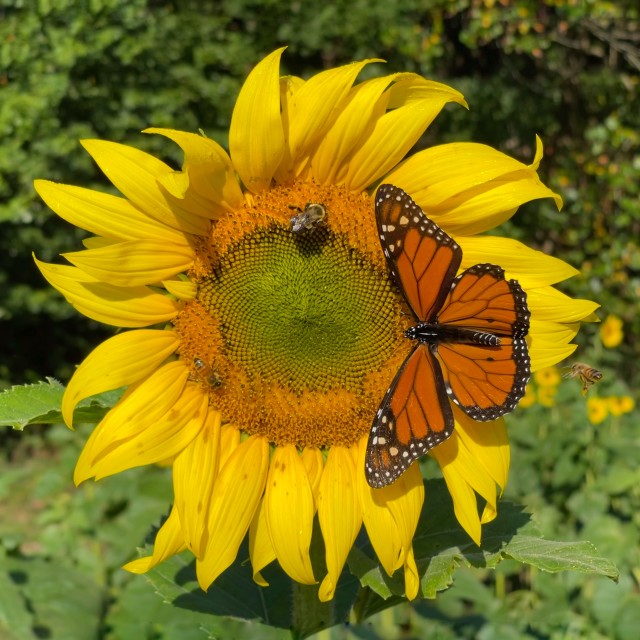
x,y
265,327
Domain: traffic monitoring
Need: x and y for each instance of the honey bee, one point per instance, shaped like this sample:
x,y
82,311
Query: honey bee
x,y
204,373
586,374
308,219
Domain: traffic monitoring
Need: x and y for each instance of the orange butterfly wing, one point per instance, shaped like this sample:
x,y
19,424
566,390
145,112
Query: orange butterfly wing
x,y
423,259
486,381
415,416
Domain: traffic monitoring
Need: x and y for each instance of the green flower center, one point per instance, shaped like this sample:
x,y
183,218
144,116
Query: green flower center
x,y
303,310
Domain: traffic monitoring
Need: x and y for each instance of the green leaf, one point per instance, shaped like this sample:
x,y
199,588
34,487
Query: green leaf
x,y
40,404
259,612
553,556
41,599
34,403
440,547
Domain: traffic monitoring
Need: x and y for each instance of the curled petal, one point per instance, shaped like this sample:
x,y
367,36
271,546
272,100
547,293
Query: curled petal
x,y
145,427
416,102
104,214
169,541
118,362
288,499
118,306
235,498
194,473
211,183
468,188
261,549
181,289
136,175
133,263
339,513
256,136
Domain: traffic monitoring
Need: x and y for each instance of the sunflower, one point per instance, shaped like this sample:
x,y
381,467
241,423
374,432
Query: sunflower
x,y
270,347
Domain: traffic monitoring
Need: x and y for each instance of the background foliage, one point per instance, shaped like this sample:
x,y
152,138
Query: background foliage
x,y
567,70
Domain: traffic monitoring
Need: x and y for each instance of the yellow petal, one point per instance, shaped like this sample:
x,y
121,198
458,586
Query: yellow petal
x,y
181,289
405,505
364,105
468,188
380,525
315,105
339,513
256,136
261,550
391,516
411,576
229,442
118,306
194,474
544,353
236,495
288,87
168,542
464,476
547,303
488,444
529,267
289,511
314,464
145,427
104,214
97,242
133,263
417,102
135,174
210,172
557,332
118,362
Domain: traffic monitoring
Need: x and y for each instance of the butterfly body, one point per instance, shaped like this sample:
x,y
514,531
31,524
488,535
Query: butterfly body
x,y
470,340
432,333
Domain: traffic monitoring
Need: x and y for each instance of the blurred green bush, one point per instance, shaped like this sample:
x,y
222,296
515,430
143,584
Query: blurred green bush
x,y
567,70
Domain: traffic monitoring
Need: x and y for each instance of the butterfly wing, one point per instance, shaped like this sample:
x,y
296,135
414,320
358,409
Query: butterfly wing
x,y
485,381
414,416
419,253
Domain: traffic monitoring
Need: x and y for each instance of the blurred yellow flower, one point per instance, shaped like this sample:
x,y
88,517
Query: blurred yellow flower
x,y
611,332
547,377
597,410
619,405
547,396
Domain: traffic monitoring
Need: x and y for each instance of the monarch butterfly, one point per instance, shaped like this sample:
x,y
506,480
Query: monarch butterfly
x,y
470,336
308,219
586,374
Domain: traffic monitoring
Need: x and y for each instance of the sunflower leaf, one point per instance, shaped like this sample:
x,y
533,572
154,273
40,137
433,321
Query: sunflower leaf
x,y
441,546
235,606
40,403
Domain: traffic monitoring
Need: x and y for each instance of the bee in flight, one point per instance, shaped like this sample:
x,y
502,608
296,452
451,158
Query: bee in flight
x,y
307,219
586,374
